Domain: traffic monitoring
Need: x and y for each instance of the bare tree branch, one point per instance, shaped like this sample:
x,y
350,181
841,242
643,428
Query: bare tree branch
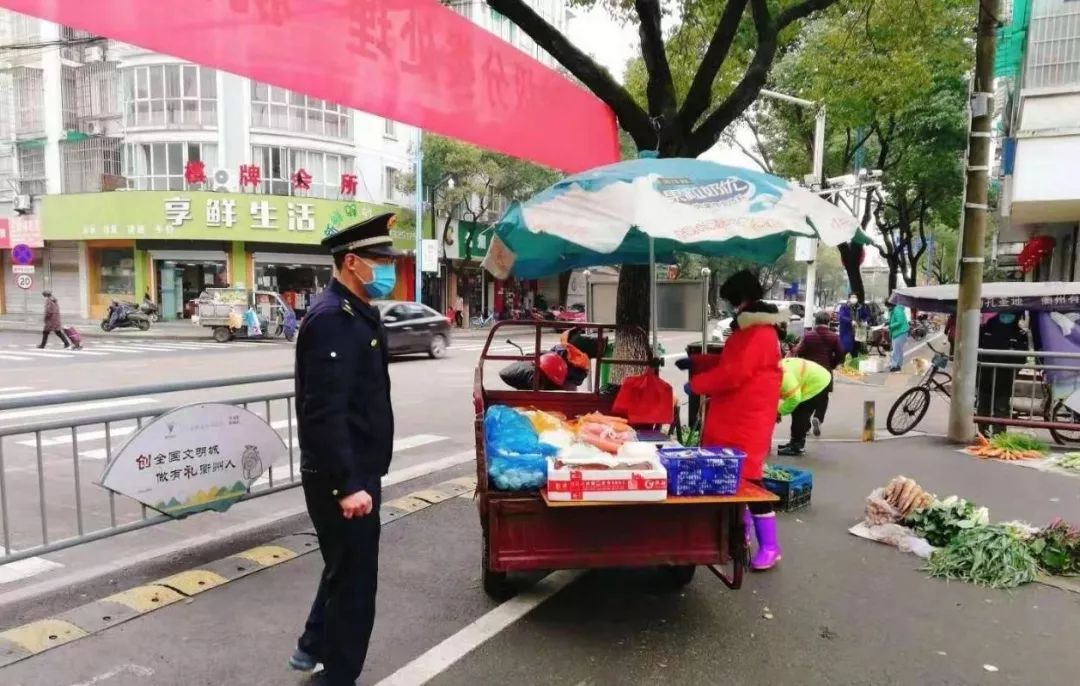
x,y
597,79
700,93
760,157
660,90
800,11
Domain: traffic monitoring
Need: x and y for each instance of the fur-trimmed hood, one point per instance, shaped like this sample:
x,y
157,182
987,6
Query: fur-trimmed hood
x,y
760,314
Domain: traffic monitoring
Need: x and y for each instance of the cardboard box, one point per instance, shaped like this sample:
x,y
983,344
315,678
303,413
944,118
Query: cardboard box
x,y
607,485
873,365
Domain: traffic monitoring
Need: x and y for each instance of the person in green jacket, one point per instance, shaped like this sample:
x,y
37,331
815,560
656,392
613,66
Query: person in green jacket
x,y
898,332
801,389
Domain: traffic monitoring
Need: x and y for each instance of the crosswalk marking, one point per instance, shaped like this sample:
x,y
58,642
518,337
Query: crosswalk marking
x,y
8,415
21,569
104,348
12,389
13,358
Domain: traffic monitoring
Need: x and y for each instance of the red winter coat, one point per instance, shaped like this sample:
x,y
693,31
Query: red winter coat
x,y
744,391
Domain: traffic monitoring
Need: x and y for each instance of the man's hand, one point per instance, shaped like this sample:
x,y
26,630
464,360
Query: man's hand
x,y
356,505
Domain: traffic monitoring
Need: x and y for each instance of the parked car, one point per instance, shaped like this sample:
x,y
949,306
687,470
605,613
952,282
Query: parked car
x,y
720,329
414,328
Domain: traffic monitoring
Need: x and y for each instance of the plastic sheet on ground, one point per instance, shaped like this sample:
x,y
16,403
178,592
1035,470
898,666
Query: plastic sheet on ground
x,y
1043,465
895,535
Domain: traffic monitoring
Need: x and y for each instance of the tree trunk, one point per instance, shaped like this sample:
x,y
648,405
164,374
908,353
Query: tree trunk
x,y
631,320
564,287
849,257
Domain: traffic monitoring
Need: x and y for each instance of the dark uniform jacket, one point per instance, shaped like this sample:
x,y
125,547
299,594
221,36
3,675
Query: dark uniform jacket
x,y
344,417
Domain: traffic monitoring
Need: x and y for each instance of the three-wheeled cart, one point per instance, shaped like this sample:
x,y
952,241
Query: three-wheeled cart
x,y
524,531
225,310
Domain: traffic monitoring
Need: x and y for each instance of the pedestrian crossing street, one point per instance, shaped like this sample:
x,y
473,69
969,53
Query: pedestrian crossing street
x,y
94,350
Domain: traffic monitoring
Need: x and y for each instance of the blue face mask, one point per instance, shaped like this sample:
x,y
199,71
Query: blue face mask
x,y
1006,318
383,279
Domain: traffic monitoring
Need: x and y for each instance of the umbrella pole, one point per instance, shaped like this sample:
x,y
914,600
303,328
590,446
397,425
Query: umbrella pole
x,y
652,291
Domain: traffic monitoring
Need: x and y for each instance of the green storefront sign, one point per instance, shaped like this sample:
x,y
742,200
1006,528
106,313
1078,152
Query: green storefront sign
x,y
205,215
478,237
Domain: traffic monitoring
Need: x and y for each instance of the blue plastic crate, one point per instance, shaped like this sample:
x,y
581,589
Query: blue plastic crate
x,y
702,471
794,494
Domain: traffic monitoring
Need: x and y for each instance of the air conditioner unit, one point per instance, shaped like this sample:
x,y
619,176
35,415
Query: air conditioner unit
x,y
221,180
94,53
93,128
22,203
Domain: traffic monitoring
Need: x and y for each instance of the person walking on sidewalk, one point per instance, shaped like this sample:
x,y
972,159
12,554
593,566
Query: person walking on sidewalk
x,y
803,384
743,390
346,425
821,345
52,321
898,332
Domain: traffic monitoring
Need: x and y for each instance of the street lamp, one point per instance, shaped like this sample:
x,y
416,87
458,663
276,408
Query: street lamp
x,y
817,172
447,181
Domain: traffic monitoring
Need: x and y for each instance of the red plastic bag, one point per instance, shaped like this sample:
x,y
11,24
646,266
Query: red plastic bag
x,y
645,399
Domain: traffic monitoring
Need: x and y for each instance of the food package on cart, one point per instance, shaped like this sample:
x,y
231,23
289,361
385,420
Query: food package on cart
x,y
607,433
646,483
545,421
585,456
516,457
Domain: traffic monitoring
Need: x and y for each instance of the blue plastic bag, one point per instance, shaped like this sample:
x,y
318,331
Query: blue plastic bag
x,y
516,459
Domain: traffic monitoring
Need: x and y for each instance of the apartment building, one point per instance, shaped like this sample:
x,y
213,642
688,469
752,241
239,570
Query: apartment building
x,y
129,172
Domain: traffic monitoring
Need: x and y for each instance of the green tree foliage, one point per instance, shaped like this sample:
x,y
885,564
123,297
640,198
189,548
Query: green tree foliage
x,y
481,178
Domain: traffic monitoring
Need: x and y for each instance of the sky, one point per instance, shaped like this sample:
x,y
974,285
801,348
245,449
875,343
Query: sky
x,y
613,45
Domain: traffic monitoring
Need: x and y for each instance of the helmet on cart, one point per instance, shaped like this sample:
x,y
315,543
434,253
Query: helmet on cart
x,y
553,367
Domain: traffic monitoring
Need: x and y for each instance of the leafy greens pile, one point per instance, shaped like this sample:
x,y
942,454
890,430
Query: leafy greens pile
x,y
943,521
998,556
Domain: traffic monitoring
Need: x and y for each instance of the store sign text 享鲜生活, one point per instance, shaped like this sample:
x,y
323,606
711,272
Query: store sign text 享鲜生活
x,y
205,215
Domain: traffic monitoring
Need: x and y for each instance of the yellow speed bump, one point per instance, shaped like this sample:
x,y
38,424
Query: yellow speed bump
x,y
42,635
193,581
267,555
432,495
407,504
146,598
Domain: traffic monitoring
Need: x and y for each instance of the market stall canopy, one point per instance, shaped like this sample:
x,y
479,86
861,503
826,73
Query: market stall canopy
x,y
610,214
1045,296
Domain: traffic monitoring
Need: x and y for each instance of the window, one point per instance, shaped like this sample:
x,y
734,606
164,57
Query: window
x,y
277,165
389,128
28,88
160,166
115,271
390,181
31,169
91,165
170,96
283,110
1053,57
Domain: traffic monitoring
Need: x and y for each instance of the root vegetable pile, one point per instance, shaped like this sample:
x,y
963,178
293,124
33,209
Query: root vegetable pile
x,y
1008,447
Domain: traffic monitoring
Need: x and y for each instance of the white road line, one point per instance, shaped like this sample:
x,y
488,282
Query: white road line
x,y
135,670
71,409
89,353
85,436
441,657
928,341
21,569
397,476
12,389
31,394
113,349
13,358
149,349
407,443
52,355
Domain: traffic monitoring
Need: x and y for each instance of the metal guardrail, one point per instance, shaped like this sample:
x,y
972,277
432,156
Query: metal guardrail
x,y
59,489
1021,388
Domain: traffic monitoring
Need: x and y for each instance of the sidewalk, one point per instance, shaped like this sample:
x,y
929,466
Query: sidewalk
x,y
846,609
91,328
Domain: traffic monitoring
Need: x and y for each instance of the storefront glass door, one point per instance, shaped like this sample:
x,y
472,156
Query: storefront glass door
x,y
180,283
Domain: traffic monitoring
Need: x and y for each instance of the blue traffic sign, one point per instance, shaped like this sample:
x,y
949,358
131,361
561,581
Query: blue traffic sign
x,y
22,254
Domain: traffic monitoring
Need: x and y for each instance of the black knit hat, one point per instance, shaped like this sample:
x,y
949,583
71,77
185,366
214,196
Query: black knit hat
x,y
741,287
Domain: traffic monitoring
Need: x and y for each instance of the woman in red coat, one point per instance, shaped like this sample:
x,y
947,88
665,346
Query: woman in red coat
x,y
744,392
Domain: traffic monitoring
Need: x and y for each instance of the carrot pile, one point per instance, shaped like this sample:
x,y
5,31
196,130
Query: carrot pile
x,y
604,432
1009,447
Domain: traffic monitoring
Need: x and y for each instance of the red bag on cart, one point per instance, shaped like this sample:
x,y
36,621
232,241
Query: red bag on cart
x,y
645,399
73,336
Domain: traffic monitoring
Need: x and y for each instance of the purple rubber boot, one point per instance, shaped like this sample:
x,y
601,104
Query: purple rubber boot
x,y
748,525
768,552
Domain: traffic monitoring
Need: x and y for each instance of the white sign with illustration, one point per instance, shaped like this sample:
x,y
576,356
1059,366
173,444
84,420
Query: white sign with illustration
x,y
195,458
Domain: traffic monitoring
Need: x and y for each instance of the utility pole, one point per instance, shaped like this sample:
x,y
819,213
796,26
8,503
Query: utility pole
x,y
969,300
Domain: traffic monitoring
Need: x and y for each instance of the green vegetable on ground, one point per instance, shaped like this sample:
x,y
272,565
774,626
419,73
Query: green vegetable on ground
x,y
778,473
943,521
1018,442
1057,548
1070,461
996,556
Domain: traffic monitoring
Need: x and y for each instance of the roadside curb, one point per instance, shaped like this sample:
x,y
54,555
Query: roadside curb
x,y
94,331
34,638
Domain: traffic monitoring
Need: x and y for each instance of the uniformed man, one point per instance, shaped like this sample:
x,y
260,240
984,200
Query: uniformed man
x,y
346,427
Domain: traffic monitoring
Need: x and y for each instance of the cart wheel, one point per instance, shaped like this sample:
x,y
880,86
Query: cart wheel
x,y
908,410
1062,413
675,577
496,585
222,334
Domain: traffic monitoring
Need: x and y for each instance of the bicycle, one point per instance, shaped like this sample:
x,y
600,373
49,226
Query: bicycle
x,y
479,322
910,408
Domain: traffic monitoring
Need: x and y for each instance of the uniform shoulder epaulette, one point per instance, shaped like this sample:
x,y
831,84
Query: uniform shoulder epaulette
x,y
346,306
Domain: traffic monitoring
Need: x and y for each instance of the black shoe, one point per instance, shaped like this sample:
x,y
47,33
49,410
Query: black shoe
x,y
41,347
790,451
816,424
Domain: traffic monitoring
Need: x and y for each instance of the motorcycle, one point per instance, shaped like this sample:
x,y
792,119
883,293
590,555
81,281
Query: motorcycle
x,y
564,367
123,316
150,309
878,338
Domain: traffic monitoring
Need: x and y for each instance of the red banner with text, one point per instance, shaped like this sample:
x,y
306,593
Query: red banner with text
x,y
413,61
